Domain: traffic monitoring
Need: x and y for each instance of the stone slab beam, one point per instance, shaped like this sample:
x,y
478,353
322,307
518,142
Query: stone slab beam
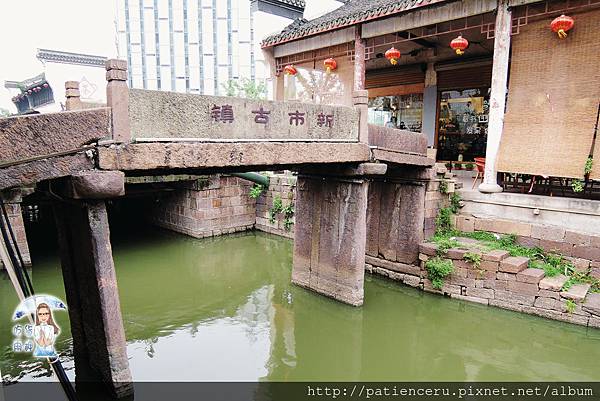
x,y
94,184
388,156
26,137
93,297
330,235
200,155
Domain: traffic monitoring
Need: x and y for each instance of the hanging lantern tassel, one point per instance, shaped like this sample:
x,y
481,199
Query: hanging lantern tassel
x,y
290,70
459,44
393,55
561,25
330,65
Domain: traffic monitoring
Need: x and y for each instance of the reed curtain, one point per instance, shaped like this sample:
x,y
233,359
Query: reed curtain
x,y
553,97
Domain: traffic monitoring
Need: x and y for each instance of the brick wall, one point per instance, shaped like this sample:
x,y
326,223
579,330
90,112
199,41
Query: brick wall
x,y
220,206
15,216
284,186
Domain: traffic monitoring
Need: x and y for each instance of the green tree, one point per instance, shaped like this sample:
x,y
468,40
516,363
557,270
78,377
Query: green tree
x,y
245,88
4,112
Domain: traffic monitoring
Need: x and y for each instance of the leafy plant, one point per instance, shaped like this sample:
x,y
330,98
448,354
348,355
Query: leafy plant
x,y
275,209
256,191
448,166
443,221
577,185
470,166
570,305
443,186
437,270
455,202
589,163
288,215
473,258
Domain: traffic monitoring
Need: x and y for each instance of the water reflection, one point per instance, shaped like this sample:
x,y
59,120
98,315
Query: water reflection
x,y
224,309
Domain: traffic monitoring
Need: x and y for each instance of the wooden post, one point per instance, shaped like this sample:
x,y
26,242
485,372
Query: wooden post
x,y
359,60
117,98
497,96
72,94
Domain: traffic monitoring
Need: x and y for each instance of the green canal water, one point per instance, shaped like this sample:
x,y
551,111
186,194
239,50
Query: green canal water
x,y
224,309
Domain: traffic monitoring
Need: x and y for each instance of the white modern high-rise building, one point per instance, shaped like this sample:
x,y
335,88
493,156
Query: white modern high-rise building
x,y
198,45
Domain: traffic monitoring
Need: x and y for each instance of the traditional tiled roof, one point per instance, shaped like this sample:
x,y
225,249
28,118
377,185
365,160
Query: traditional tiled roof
x,y
70,58
295,3
350,13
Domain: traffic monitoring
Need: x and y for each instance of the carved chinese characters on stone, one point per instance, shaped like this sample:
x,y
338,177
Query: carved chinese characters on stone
x,y
325,120
297,117
262,116
222,113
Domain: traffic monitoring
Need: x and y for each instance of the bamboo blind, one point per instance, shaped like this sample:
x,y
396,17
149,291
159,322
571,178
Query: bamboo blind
x,y
552,100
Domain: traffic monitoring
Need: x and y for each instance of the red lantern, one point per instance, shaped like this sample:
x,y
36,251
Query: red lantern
x,y
459,44
29,91
393,55
45,85
561,25
330,64
290,70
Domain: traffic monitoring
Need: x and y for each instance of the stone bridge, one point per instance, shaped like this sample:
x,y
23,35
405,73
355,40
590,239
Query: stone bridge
x,y
82,158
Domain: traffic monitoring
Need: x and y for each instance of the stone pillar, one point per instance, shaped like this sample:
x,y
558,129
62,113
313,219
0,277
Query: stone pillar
x,y
330,236
92,295
117,98
72,94
430,104
12,202
90,281
497,96
360,99
359,60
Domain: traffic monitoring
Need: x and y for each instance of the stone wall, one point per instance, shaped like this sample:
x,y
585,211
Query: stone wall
x,y
15,216
499,280
221,205
284,186
582,249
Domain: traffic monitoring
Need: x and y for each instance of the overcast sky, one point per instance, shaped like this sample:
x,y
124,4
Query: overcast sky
x,y
80,26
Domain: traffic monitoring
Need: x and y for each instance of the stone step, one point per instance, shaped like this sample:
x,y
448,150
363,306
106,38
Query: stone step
x,y
592,304
553,283
577,292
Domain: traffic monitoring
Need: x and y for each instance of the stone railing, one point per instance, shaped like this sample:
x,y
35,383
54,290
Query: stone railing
x,y
170,116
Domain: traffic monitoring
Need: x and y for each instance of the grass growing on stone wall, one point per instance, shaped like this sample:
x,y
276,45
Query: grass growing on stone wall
x,y
437,270
446,237
256,191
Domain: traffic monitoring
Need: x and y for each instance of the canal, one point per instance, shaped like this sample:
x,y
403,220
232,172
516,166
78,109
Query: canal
x,y
224,309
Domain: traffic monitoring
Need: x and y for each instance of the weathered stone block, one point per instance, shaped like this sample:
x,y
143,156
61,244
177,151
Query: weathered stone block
x,y
428,248
462,264
478,300
489,265
481,274
532,276
480,292
514,264
509,296
564,248
594,322
496,284
456,253
577,238
506,305
528,241
523,288
460,272
451,289
548,232
555,315
586,252
413,281
595,273
465,223
423,257
549,294
580,265
495,255
394,266
465,282
428,286
550,303
506,276
577,292
553,283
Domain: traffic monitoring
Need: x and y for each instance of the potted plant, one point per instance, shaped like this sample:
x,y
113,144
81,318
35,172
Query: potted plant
x,y
449,166
469,166
458,166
